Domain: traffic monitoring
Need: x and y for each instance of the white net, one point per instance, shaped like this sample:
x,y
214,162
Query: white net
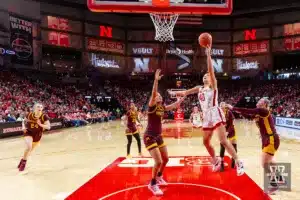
x,y
164,24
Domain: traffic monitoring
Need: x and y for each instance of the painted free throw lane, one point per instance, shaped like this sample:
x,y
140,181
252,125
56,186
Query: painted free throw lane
x,y
189,177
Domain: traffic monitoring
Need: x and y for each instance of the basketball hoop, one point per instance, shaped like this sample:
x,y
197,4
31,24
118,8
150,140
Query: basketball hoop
x,y
164,24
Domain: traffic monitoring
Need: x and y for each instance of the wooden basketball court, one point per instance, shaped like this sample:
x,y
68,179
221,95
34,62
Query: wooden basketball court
x,y
70,158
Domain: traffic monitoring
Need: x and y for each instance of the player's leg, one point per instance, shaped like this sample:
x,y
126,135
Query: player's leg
x,y
221,132
129,141
28,148
234,144
165,159
156,155
207,143
270,146
222,154
138,140
267,159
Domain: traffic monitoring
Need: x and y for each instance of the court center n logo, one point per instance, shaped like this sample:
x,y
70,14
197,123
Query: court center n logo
x,y
278,175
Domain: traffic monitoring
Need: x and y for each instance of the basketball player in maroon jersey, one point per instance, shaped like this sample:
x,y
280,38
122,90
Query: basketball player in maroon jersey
x,y
231,134
33,127
152,137
269,137
213,116
132,119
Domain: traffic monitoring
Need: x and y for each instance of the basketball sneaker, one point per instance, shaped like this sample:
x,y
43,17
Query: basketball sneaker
x,y
22,165
161,181
21,161
155,190
222,168
216,165
129,156
240,168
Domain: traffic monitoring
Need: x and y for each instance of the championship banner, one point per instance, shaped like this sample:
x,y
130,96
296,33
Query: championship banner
x,y
21,40
15,128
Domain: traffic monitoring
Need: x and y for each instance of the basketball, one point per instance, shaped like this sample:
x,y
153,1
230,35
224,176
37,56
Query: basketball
x,y
205,39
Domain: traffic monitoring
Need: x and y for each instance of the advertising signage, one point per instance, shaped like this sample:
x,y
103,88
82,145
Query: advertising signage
x,y
251,47
218,51
143,49
105,45
21,40
106,63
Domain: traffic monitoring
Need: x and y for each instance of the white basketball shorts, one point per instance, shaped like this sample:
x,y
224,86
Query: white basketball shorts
x,y
213,118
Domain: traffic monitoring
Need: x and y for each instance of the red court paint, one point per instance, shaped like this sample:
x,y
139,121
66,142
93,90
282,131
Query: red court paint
x,y
189,177
177,132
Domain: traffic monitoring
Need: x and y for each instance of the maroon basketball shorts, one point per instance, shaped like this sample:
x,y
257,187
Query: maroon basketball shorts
x,y
231,135
153,141
131,130
36,136
270,143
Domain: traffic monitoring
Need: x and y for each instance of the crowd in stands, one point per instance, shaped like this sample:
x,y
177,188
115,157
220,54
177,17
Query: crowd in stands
x,y
284,96
19,94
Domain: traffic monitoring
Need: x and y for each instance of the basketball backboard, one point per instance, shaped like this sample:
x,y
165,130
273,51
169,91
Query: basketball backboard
x,y
206,7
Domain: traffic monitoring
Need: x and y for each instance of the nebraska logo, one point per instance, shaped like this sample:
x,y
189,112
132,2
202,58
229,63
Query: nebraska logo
x,y
12,130
173,162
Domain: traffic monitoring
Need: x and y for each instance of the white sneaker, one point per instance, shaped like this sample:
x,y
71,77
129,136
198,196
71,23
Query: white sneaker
x,y
161,181
240,168
216,165
155,190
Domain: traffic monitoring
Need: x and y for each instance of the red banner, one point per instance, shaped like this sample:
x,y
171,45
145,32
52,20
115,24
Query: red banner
x,y
251,47
59,39
58,23
104,45
292,43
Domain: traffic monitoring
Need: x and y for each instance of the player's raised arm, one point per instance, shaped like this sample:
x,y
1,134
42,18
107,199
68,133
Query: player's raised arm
x,y
174,105
210,69
155,86
193,90
250,111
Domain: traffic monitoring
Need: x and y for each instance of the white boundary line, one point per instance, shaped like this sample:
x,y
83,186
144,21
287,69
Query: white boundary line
x,y
190,184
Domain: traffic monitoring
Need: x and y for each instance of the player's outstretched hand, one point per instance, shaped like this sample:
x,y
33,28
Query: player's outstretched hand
x,y
180,94
180,100
39,122
229,106
157,75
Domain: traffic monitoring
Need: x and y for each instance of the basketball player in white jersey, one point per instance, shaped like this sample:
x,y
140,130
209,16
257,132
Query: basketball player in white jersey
x,y
213,116
196,118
